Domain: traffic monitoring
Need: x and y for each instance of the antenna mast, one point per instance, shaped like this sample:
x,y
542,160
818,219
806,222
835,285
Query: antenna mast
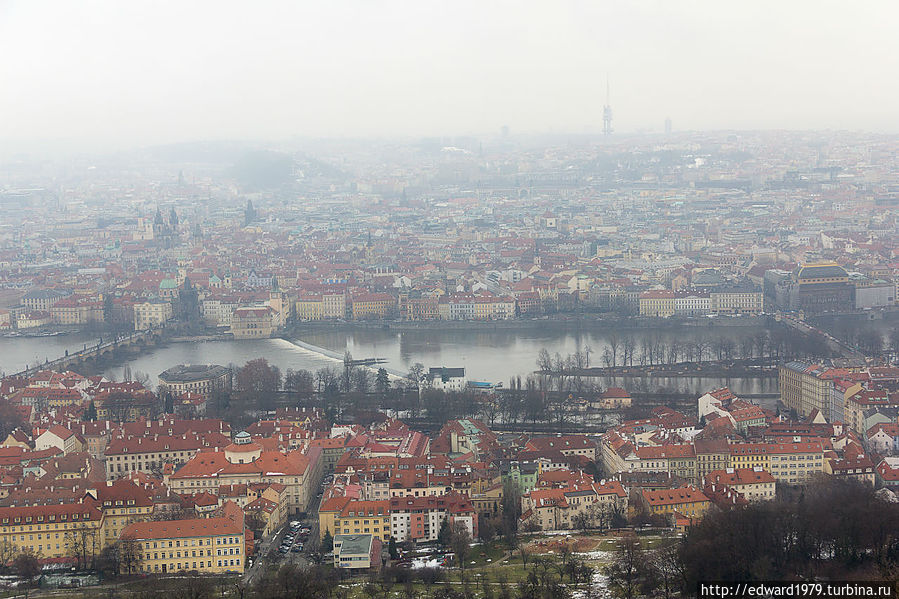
x,y
607,112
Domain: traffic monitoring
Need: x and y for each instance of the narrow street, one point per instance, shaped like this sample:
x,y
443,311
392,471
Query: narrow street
x,y
268,553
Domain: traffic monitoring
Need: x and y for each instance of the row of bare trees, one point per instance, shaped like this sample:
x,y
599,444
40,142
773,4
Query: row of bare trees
x,y
869,339
625,349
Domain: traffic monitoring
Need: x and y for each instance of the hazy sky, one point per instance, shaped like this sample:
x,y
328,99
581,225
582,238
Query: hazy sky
x,y
131,72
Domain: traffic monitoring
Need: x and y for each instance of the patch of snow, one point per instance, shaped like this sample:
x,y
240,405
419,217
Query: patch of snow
x,y
596,555
426,563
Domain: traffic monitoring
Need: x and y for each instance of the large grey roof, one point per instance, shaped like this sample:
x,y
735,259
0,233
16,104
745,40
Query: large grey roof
x,y
354,544
186,373
819,271
44,294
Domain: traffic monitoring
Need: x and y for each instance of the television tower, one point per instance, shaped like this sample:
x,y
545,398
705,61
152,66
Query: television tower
x,y
607,113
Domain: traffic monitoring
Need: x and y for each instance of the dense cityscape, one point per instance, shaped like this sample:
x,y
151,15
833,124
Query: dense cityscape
x,y
702,258
449,300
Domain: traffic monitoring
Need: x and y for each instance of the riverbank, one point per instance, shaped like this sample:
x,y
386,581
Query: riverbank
x,y
716,368
566,322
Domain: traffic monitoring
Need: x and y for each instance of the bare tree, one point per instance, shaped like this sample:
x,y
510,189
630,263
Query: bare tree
x,y
703,347
544,362
607,358
627,572
460,542
674,351
760,340
746,345
82,544
727,348
7,552
627,347
348,367
667,570
614,342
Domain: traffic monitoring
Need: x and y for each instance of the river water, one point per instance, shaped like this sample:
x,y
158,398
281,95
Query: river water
x,y
487,354
18,353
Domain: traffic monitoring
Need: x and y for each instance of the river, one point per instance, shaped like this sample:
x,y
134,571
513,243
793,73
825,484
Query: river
x,y
487,354
18,353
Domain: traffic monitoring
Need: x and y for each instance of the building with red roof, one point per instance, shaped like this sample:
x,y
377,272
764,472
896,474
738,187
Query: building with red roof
x,y
568,445
888,473
557,507
686,500
754,484
419,518
213,469
215,545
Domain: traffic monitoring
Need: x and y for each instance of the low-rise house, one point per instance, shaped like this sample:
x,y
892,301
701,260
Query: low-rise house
x,y
446,379
888,473
554,508
854,467
566,444
357,552
687,500
614,398
884,438
754,484
60,437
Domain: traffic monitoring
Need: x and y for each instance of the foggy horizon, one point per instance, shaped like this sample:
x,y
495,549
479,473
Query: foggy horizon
x,y
141,74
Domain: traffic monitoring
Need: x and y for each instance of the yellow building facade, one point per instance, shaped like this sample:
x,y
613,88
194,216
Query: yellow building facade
x,y
365,517
207,545
53,531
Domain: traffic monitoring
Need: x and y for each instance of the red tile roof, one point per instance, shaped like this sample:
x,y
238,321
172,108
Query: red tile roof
x,y
230,523
687,494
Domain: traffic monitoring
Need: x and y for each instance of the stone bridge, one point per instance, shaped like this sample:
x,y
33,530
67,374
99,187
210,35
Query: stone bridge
x,y
92,352
846,350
